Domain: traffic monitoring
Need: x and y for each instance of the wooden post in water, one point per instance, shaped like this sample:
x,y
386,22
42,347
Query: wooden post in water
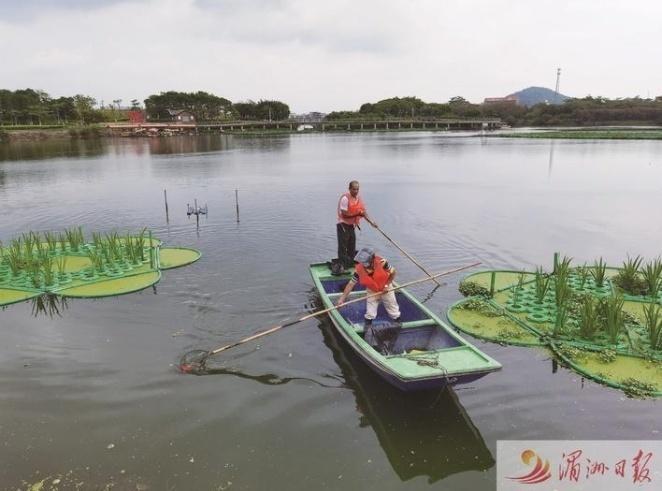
x,y
197,214
236,200
151,251
165,198
492,282
556,262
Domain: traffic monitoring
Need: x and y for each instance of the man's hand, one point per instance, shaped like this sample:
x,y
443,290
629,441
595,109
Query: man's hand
x,y
340,302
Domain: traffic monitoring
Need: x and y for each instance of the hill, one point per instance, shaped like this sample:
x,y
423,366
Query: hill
x,y
535,95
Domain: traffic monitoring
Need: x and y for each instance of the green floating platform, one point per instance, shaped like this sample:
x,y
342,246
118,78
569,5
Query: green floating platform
x,y
503,307
112,287
90,271
175,257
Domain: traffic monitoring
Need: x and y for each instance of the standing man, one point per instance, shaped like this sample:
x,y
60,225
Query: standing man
x,y
350,211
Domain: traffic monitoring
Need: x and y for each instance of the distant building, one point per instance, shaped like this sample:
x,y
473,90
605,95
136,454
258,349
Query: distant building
x,y
136,116
509,99
181,116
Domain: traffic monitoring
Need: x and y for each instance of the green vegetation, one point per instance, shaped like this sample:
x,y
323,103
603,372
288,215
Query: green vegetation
x,y
588,325
542,284
629,279
587,111
36,108
586,321
620,134
653,321
598,272
471,288
652,275
612,310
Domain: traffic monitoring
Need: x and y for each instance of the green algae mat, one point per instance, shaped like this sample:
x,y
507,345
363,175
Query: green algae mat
x,y
65,264
603,322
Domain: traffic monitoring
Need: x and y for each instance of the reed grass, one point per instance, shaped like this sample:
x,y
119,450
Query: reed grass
x,y
541,284
583,272
599,272
15,257
46,266
588,318
563,294
612,309
51,241
653,321
652,274
61,264
628,278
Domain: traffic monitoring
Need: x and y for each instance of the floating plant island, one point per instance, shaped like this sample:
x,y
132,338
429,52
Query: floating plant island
x,y
66,264
603,322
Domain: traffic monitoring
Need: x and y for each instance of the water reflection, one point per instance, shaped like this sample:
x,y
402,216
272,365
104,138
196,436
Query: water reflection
x,y
51,149
49,305
424,433
140,146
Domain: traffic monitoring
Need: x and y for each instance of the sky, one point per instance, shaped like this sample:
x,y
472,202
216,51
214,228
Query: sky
x,y
326,55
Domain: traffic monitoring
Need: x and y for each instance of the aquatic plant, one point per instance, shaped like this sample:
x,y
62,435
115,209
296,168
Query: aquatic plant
x,y
28,246
61,264
588,318
541,284
14,257
481,306
33,269
607,356
96,258
51,242
62,239
46,266
139,244
97,240
75,238
612,310
652,274
572,352
562,293
516,290
636,388
653,321
599,271
628,278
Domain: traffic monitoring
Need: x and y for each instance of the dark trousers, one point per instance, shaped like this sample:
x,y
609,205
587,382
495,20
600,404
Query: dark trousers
x,y
346,244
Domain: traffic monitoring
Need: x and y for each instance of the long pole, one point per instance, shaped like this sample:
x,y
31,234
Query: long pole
x,y
402,250
335,307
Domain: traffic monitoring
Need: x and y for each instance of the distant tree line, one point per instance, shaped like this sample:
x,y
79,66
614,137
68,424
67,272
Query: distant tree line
x,y
36,107
208,107
586,111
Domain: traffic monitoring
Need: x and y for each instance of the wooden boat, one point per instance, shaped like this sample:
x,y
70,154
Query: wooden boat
x,y
424,353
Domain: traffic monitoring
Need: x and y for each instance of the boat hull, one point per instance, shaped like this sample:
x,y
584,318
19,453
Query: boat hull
x,y
426,354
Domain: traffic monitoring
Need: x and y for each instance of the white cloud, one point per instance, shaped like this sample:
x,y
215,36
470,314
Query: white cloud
x,y
332,55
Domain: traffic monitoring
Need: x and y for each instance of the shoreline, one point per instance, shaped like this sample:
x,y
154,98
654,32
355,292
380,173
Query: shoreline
x,y
96,132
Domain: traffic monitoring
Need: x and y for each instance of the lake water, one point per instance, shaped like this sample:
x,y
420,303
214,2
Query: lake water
x,y
92,395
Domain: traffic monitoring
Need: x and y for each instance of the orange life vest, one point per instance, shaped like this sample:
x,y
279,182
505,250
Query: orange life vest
x,y
378,279
354,206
